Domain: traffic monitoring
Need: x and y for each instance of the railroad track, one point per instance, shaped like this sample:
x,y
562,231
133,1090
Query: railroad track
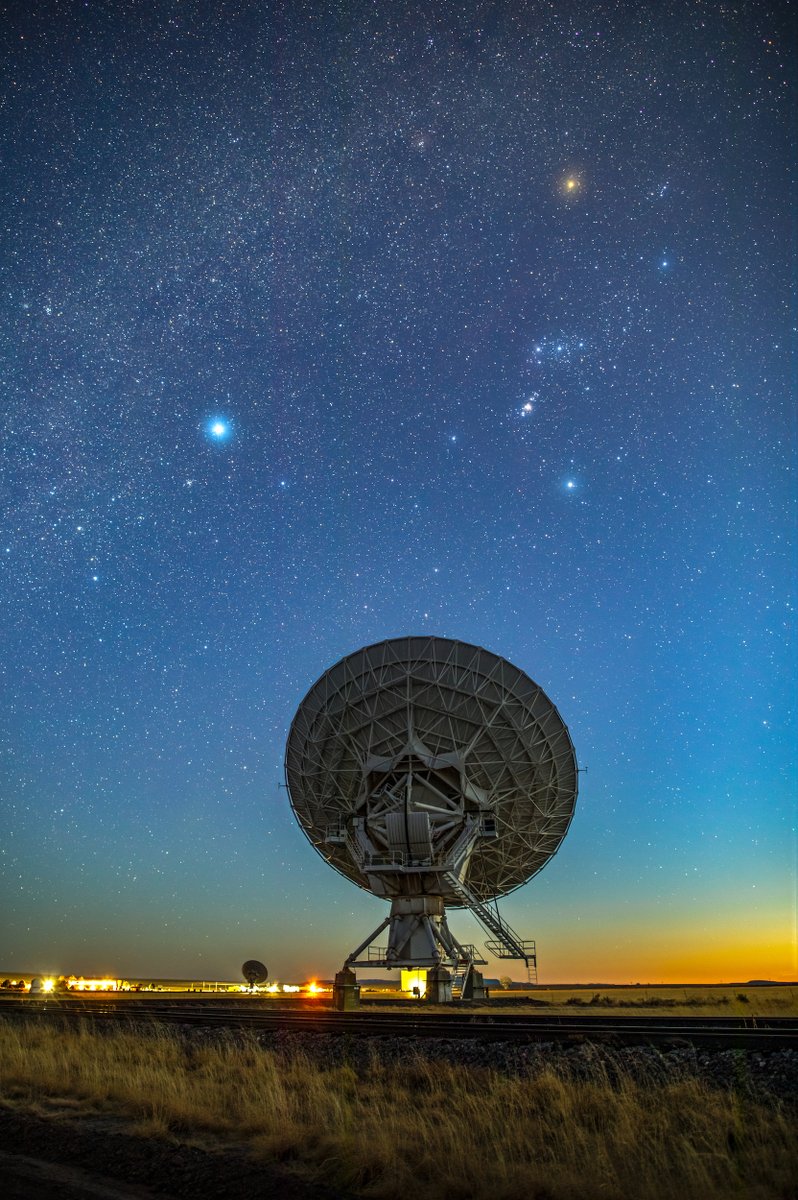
x,y
721,1033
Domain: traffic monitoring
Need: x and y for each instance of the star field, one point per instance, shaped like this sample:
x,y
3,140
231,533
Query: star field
x,y
325,324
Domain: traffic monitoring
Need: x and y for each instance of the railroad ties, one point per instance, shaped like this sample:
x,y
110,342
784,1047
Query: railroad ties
x,y
719,1033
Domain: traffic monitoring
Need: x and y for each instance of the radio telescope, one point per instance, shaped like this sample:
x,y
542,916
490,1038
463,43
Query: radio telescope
x,y
436,775
254,972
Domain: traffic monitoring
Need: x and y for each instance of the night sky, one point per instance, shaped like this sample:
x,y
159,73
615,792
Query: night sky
x,y
326,323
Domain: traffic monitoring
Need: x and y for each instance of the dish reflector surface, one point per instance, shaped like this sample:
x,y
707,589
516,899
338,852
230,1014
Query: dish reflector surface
x,y
476,732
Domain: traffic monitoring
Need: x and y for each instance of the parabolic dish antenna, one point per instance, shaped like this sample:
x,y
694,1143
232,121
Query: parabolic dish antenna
x,y
254,972
432,773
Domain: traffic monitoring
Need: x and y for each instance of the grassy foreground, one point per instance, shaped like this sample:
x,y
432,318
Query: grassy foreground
x,y
421,1128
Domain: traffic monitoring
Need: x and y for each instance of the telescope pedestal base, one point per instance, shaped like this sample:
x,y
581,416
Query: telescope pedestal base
x,y
346,991
439,986
418,936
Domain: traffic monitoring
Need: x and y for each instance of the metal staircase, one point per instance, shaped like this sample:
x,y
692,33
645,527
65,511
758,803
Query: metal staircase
x,y
460,979
505,942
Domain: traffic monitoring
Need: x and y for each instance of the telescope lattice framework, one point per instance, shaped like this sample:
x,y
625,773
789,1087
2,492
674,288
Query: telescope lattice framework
x,y
432,773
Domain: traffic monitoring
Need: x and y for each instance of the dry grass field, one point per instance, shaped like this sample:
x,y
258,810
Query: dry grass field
x,y
419,1129
707,1001
737,1001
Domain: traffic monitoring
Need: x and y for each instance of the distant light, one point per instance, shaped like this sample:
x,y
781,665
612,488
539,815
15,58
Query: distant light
x,y
92,985
414,981
48,985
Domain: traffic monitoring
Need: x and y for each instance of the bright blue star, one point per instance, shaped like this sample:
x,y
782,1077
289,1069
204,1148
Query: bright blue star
x,y
218,429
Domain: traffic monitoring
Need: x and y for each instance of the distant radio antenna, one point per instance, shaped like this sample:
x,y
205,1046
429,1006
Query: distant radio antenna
x,y
254,972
